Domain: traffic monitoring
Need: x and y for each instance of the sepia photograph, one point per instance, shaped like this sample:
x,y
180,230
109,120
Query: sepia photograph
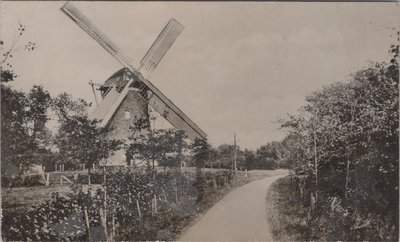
x,y
199,121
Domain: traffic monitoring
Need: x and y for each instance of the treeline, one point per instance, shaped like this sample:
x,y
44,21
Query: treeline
x,y
75,140
265,157
345,141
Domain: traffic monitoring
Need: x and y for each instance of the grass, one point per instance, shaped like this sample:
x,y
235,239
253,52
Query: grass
x,y
20,199
286,215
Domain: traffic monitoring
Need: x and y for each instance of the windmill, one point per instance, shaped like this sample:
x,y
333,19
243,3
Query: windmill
x,y
127,93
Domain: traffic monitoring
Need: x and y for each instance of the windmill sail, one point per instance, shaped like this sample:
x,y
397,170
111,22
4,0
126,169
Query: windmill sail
x,y
114,98
160,47
71,11
178,119
171,112
157,100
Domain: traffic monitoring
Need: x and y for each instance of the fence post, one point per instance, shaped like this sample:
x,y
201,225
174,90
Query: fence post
x,y
87,222
138,208
164,195
155,203
113,227
313,201
152,206
214,182
103,219
47,179
176,193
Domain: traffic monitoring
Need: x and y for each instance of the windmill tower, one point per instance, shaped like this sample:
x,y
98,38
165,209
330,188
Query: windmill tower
x,y
127,93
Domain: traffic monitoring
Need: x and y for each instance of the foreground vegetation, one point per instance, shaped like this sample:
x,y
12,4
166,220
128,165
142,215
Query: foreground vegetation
x,y
287,216
135,207
345,144
292,217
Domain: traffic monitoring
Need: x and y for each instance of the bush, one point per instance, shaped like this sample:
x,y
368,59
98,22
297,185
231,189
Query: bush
x,y
95,178
293,217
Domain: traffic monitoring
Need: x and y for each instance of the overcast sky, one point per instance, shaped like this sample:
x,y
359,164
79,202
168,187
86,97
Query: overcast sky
x,y
236,67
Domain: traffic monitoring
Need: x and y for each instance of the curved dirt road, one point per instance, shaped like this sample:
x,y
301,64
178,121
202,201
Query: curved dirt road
x,y
239,216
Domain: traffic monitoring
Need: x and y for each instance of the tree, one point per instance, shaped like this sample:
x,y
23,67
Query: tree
x,y
167,147
293,151
23,120
23,116
14,138
249,159
80,140
265,157
200,155
164,147
212,161
6,69
225,156
38,105
200,152
179,146
347,136
66,106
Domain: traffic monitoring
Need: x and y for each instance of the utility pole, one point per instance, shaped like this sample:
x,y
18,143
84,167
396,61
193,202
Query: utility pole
x,y
234,152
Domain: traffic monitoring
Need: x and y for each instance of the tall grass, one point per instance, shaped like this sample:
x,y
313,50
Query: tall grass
x,y
293,217
286,215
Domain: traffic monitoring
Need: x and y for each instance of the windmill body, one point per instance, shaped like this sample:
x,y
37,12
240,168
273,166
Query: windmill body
x,y
132,109
127,93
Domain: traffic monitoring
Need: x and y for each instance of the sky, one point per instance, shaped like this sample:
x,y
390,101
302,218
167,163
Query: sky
x,y
236,67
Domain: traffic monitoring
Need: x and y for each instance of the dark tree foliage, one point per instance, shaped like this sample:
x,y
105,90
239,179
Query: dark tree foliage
x,y
200,152
66,107
82,141
23,115
23,119
265,157
79,139
346,139
166,147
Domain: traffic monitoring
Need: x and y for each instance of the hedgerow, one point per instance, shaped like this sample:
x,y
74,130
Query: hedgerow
x,y
134,206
